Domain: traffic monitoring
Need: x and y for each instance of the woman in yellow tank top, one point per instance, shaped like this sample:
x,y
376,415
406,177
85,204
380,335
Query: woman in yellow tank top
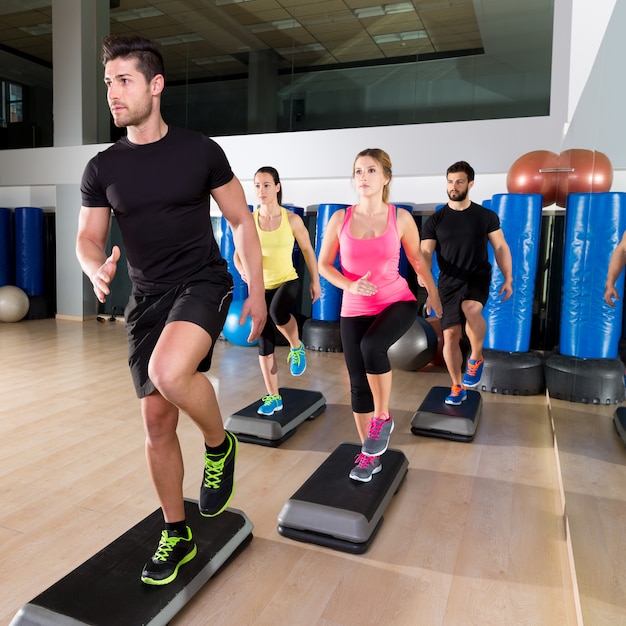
x,y
278,230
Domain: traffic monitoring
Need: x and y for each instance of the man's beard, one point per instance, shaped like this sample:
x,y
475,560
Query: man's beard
x,y
461,196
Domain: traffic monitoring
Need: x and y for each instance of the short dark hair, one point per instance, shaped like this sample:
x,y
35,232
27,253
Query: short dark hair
x,y
273,172
462,166
148,57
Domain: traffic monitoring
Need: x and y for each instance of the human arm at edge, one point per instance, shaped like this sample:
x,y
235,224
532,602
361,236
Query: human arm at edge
x,y
93,232
504,260
616,265
410,238
232,203
301,234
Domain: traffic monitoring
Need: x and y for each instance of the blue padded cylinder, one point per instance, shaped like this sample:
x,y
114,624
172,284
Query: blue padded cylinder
x,y
594,223
509,323
29,250
328,306
6,248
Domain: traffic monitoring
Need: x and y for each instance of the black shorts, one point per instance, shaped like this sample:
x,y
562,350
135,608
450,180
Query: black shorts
x,y
202,299
453,292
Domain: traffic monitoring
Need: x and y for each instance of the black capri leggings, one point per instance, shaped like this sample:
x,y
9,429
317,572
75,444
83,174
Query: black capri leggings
x,y
280,303
365,341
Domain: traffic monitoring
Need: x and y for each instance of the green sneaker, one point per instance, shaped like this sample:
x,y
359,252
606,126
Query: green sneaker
x,y
173,551
218,480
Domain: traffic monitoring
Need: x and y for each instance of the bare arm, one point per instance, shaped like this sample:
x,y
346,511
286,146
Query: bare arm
x,y
304,242
93,232
328,254
410,237
616,265
503,259
232,203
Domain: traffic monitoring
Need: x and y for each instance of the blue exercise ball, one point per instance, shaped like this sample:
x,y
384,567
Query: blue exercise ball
x,y
232,331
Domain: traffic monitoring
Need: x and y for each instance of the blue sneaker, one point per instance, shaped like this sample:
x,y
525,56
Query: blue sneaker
x,y
297,360
457,395
473,372
271,404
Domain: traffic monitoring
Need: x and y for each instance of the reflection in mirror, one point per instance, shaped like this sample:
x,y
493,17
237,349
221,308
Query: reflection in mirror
x,y
585,363
257,66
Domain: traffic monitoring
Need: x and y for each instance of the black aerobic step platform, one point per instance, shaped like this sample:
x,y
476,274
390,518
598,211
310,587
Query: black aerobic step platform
x,y
106,590
435,418
332,510
298,405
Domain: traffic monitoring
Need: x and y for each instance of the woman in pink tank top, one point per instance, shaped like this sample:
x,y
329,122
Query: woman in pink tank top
x,y
378,306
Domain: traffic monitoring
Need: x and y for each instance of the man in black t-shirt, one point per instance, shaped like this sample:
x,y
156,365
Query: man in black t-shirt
x,y
460,232
158,181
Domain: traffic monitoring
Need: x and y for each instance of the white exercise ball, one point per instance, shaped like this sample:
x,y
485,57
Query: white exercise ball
x,y
14,304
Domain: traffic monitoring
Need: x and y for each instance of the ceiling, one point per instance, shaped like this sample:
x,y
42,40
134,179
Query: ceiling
x,y
209,39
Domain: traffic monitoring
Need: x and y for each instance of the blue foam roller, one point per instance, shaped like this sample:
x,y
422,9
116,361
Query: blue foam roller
x,y
6,248
509,322
594,223
29,250
328,306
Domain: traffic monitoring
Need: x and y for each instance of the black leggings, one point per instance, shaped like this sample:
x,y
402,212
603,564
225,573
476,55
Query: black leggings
x,y
280,302
365,341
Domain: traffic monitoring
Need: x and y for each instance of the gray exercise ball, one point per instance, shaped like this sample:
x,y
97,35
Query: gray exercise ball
x,y
416,348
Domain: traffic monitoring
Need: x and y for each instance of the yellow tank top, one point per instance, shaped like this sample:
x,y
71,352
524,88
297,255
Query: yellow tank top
x,y
277,248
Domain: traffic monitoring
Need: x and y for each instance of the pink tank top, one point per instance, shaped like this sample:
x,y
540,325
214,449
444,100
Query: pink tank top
x,y
378,255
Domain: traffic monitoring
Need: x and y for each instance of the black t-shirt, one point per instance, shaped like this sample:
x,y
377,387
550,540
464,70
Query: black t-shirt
x,y
159,193
462,239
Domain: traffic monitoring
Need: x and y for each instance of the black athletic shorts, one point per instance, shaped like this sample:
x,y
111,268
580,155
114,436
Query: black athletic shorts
x,y
203,299
453,291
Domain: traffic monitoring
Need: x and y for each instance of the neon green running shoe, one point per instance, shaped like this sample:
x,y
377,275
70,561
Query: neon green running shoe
x,y
218,480
173,551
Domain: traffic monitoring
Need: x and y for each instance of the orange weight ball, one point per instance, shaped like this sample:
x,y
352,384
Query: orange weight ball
x,y
583,171
526,175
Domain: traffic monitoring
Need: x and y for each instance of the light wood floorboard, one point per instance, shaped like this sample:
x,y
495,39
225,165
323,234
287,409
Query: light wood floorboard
x,y
593,466
475,535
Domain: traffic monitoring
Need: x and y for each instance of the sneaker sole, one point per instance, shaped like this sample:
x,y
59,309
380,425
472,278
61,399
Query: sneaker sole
x,y
369,478
232,492
471,385
171,577
379,452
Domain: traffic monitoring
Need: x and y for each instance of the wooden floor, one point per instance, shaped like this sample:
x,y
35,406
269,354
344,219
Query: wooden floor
x,y
475,535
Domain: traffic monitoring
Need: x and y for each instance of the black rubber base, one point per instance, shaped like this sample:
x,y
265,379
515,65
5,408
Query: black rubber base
x,y
435,418
332,510
321,336
107,590
589,381
513,373
619,421
299,405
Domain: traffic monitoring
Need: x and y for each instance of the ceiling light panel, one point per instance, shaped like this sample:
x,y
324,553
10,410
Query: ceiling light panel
x,y
136,14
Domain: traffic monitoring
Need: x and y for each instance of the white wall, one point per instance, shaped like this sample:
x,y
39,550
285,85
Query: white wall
x,y
315,166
